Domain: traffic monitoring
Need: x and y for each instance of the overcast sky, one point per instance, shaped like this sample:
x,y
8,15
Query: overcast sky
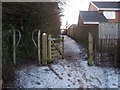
x,y
71,11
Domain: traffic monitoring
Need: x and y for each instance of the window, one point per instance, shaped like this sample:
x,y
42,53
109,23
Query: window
x,y
109,14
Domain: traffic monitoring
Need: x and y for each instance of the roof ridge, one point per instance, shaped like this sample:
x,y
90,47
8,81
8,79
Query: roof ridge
x,y
107,5
106,1
88,11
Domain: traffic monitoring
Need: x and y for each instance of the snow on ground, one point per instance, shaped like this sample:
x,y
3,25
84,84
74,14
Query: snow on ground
x,y
73,70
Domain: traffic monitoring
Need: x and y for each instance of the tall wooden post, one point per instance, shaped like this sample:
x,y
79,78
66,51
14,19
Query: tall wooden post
x,y
44,49
94,53
90,49
39,56
49,48
14,47
63,47
118,56
116,52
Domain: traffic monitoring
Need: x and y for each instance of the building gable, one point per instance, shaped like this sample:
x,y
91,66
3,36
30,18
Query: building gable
x,y
91,17
106,5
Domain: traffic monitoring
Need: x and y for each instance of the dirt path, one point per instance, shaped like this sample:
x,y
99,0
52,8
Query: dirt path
x,y
75,54
73,51
73,72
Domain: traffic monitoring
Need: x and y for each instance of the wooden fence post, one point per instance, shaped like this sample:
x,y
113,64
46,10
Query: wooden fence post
x,y
94,53
44,49
49,48
14,47
39,56
63,47
90,49
116,51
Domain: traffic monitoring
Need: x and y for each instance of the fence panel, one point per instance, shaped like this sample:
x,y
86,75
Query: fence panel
x,y
108,30
107,53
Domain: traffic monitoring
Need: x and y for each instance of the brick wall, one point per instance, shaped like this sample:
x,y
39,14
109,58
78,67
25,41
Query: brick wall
x,y
92,8
117,17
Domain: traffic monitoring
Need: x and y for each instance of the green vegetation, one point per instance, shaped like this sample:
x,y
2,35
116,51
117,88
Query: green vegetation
x,y
27,17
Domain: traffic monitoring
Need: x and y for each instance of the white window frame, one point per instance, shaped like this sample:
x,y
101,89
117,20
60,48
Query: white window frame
x,y
109,14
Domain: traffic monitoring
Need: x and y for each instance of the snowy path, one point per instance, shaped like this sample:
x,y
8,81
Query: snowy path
x,y
73,69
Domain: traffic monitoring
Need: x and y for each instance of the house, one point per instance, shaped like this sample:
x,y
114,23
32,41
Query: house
x,y
102,20
89,22
99,11
91,18
100,14
111,10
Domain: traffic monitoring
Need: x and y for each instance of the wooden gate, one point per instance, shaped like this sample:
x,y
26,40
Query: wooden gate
x,y
52,48
55,48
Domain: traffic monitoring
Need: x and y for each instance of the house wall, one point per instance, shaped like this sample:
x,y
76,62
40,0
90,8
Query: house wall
x,y
80,21
119,30
117,19
92,8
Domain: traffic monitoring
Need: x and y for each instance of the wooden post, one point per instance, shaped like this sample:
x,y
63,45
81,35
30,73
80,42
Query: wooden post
x,y
14,47
101,50
39,56
63,47
116,52
44,49
49,48
95,53
118,56
90,49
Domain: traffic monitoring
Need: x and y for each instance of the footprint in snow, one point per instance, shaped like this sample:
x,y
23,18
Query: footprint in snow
x,y
38,83
69,75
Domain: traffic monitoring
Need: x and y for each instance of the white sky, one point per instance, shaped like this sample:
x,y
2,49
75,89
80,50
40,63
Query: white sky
x,y
71,11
